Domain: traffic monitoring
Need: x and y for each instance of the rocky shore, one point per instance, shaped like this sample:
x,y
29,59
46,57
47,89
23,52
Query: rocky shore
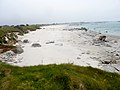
x,y
58,44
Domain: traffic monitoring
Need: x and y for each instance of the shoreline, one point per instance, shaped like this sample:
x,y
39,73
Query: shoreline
x,y
62,46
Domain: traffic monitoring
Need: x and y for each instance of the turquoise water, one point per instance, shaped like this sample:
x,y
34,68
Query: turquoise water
x,y
112,28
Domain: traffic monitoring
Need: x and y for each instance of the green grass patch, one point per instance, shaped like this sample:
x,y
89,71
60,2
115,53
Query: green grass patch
x,y
56,77
19,28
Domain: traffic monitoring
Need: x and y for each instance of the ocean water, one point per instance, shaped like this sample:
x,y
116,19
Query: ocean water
x,y
112,28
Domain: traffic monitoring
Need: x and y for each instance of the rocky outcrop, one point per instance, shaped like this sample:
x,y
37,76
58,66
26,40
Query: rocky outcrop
x,y
83,28
102,38
7,56
72,29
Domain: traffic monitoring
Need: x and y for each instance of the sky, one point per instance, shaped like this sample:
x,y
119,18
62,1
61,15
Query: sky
x,y
56,11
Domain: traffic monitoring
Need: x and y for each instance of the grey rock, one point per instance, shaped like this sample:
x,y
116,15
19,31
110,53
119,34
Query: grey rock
x,y
115,41
102,38
117,54
83,28
78,58
106,62
15,61
107,45
88,52
25,41
36,45
18,50
109,62
50,42
83,53
7,56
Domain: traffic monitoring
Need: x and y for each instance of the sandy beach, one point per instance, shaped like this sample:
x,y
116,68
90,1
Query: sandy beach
x,y
64,44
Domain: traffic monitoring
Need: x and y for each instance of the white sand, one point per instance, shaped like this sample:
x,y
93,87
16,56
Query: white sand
x,y
69,47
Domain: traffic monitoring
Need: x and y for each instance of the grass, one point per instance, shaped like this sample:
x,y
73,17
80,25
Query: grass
x,y
19,28
56,77
9,32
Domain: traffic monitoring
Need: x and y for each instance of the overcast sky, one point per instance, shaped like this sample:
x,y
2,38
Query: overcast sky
x,y
51,11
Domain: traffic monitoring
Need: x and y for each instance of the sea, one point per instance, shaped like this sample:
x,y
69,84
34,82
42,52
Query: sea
x,y
107,27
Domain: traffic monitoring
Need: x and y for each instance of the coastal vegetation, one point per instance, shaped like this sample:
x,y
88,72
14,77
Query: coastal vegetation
x,y
8,34
56,77
10,31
